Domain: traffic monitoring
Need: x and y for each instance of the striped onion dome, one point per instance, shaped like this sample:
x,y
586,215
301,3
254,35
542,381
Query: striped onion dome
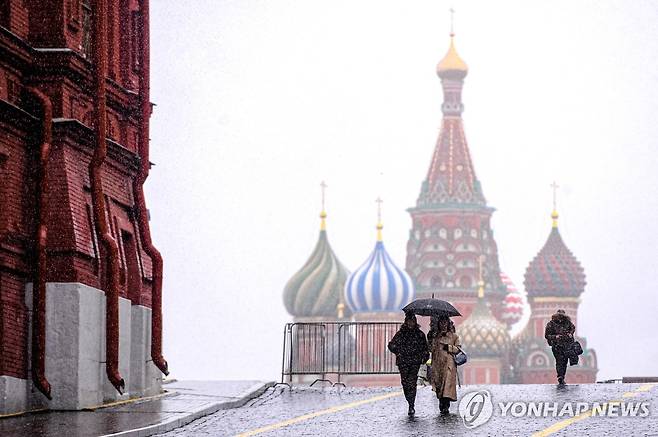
x,y
514,302
482,335
555,271
316,289
378,285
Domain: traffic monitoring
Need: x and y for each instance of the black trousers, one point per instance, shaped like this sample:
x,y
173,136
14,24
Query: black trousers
x,y
561,361
409,380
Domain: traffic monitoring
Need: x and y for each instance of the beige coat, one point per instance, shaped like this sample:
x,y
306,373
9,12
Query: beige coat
x,y
444,369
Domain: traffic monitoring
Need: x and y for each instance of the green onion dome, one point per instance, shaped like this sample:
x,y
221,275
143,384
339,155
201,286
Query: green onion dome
x,y
316,290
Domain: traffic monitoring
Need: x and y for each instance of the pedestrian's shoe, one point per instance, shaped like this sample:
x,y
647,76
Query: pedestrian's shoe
x,y
445,411
560,381
411,411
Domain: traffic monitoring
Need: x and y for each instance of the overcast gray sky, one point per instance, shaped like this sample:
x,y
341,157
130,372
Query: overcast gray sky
x,y
258,101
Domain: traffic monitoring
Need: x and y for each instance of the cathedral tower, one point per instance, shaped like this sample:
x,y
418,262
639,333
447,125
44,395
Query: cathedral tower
x,y
451,227
554,279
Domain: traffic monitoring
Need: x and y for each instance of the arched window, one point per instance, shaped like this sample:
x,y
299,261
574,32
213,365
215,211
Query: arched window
x,y
436,281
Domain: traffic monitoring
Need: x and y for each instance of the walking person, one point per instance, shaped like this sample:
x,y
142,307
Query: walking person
x,y
410,348
445,344
559,334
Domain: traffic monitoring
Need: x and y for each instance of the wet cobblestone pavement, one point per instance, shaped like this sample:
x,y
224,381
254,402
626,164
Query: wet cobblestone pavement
x,y
348,411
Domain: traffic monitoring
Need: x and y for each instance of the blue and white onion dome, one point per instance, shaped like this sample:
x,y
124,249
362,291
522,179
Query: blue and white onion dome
x,y
378,285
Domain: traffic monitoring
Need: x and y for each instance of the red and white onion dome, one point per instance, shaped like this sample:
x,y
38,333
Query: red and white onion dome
x,y
514,302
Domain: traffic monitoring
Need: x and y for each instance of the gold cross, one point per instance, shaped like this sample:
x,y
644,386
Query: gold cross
x,y
555,186
452,22
323,186
379,209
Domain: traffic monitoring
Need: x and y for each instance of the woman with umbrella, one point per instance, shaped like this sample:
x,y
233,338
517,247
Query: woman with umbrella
x,y
444,344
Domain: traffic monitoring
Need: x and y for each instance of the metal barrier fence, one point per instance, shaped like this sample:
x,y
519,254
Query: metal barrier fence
x,y
337,348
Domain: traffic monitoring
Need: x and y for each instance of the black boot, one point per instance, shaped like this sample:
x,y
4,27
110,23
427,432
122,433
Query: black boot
x,y
560,381
411,410
444,406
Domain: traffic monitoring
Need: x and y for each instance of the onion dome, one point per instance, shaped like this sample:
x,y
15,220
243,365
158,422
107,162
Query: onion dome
x,y
555,271
514,302
316,290
452,66
378,285
481,334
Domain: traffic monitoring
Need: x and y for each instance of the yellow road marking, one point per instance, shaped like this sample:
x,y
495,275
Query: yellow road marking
x,y
647,387
584,415
318,413
111,404
20,413
129,401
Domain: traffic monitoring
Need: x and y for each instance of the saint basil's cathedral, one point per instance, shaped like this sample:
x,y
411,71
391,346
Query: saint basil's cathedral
x,y
452,255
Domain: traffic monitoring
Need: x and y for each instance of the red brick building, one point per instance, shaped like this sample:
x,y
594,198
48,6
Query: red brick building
x,y
74,123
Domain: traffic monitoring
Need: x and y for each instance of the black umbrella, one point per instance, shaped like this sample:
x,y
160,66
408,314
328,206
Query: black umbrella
x,y
431,307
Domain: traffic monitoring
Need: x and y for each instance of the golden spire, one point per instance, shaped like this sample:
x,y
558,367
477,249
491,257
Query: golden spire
x,y
554,214
323,213
379,219
340,310
451,61
481,281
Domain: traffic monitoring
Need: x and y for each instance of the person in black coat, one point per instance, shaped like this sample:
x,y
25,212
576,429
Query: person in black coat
x,y
410,348
559,335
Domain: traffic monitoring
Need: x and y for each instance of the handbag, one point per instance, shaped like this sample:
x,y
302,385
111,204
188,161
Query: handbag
x,y
577,348
460,357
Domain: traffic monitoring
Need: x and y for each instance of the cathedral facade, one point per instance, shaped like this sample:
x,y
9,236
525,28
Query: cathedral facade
x,y
452,255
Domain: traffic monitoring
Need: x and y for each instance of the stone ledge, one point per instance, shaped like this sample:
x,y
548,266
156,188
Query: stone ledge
x,y
187,417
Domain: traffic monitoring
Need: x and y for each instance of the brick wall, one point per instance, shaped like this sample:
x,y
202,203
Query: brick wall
x,y
17,17
66,77
13,326
14,174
